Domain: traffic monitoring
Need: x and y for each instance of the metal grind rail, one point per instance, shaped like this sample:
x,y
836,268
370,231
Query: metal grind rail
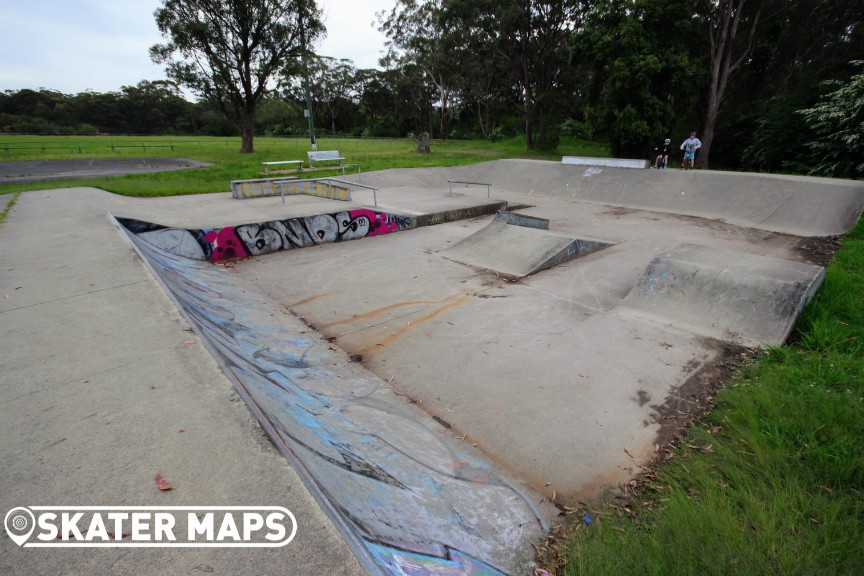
x,y
338,181
488,186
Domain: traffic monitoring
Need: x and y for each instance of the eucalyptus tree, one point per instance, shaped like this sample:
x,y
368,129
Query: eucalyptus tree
x,y
229,51
532,37
331,82
335,86
487,84
418,34
731,28
644,70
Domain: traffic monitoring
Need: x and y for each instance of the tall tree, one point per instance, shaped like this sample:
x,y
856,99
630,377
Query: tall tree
x,y
641,73
487,84
332,85
418,34
533,38
731,27
228,51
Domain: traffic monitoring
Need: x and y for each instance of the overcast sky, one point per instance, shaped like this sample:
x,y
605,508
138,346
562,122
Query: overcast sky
x,y
102,45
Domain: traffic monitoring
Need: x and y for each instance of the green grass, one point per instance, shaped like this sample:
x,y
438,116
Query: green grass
x,y
229,164
782,489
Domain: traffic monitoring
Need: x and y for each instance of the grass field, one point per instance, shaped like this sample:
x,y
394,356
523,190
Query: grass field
x,y
229,164
769,483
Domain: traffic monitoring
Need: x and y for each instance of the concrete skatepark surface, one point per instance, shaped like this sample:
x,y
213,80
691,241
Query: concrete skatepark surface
x,y
554,377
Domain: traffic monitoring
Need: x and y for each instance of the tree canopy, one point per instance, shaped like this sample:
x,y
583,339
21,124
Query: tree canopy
x,y
626,72
228,52
837,122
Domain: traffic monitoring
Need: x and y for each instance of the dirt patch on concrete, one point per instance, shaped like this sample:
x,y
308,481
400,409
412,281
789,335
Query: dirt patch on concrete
x,y
689,402
819,250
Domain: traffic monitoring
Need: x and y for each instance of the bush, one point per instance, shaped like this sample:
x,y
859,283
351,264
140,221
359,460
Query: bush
x,y
575,128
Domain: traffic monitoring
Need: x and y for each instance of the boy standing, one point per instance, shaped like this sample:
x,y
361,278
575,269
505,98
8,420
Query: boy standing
x,y
690,145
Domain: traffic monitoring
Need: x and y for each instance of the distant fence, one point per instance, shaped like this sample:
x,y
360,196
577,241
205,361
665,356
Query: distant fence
x,y
89,143
38,146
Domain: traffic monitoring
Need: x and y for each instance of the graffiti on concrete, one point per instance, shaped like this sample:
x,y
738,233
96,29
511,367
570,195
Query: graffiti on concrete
x,y
255,239
408,496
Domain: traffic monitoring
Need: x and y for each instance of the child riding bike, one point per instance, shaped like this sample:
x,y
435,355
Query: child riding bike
x,y
662,160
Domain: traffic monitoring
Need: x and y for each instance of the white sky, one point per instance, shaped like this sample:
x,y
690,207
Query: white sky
x,y
101,45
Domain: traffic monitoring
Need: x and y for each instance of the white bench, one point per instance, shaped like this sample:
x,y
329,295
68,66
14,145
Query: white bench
x,y
268,164
324,156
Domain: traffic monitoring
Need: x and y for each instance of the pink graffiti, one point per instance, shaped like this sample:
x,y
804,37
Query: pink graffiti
x,y
225,244
378,223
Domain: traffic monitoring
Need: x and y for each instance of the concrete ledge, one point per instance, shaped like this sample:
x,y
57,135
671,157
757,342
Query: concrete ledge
x,y
452,215
264,187
732,296
257,188
607,162
523,220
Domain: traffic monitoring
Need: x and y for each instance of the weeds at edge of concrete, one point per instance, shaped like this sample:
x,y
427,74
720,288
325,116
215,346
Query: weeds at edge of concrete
x,y
9,207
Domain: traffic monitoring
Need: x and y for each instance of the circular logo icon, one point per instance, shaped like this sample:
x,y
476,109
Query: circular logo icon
x,y
19,523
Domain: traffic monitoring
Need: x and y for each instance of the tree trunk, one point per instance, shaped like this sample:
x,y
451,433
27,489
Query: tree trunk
x,y
724,63
247,132
423,143
529,105
529,126
444,98
707,136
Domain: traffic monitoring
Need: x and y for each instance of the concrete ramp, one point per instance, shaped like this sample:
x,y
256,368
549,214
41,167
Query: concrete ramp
x,y
797,205
731,296
517,246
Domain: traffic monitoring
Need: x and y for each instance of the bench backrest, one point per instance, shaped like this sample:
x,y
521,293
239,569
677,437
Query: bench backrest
x,y
324,155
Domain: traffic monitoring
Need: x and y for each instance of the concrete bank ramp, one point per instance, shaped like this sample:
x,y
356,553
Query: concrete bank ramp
x,y
517,246
797,205
731,296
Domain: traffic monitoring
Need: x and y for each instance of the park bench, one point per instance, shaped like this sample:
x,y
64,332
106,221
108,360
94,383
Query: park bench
x,y
330,156
299,164
324,156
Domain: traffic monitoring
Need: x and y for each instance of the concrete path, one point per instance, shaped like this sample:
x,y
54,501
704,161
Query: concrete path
x,y
34,170
103,385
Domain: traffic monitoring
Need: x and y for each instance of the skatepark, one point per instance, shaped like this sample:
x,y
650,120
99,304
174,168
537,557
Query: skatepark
x,y
474,355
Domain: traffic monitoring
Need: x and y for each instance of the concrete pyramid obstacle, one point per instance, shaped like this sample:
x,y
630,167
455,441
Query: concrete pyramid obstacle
x,y
516,246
